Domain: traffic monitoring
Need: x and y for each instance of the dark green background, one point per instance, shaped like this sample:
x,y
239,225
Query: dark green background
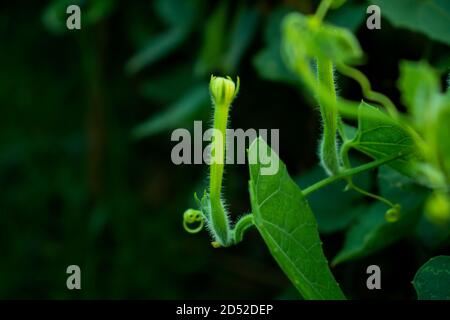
x,y
77,188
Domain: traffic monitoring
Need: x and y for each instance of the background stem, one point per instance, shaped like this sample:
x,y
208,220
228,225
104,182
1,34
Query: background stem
x,y
328,110
350,172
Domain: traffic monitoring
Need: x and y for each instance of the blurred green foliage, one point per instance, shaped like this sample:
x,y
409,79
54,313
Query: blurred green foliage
x,y
78,187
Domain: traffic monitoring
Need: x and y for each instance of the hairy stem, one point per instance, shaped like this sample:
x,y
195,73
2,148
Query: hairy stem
x,y
328,110
219,218
350,172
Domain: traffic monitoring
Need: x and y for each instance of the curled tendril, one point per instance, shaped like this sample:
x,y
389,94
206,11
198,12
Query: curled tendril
x,y
393,214
191,216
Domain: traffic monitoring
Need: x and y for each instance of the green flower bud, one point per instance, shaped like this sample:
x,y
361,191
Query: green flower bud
x,y
223,90
393,214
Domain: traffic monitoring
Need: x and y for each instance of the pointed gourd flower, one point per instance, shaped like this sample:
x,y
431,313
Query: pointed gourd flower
x,y
223,90
213,214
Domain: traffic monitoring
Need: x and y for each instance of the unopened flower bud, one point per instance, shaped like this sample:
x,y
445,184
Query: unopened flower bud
x,y
393,214
223,90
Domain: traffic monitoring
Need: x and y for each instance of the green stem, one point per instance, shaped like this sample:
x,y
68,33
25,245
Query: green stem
x,y
346,162
359,77
218,150
219,218
328,110
322,9
325,92
369,194
350,172
242,226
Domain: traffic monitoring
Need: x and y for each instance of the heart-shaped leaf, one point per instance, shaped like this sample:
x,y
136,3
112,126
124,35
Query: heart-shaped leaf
x,y
380,136
287,225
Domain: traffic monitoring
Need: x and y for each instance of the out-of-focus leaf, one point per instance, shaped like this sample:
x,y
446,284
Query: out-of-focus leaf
x,y
98,10
181,17
430,17
432,235
268,62
54,16
351,15
341,207
269,65
419,86
174,115
372,232
443,133
214,39
177,12
157,48
304,39
287,225
160,87
421,92
241,37
432,280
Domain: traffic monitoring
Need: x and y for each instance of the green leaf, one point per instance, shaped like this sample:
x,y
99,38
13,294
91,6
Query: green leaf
x,y
432,235
242,34
213,40
175,114
176,12
371,231
442,128
160,86
306,39
432,280
287,225
99,10
158,47
351,15
419,86
431,17
421,92
181,17
269,66
268,62
380,136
